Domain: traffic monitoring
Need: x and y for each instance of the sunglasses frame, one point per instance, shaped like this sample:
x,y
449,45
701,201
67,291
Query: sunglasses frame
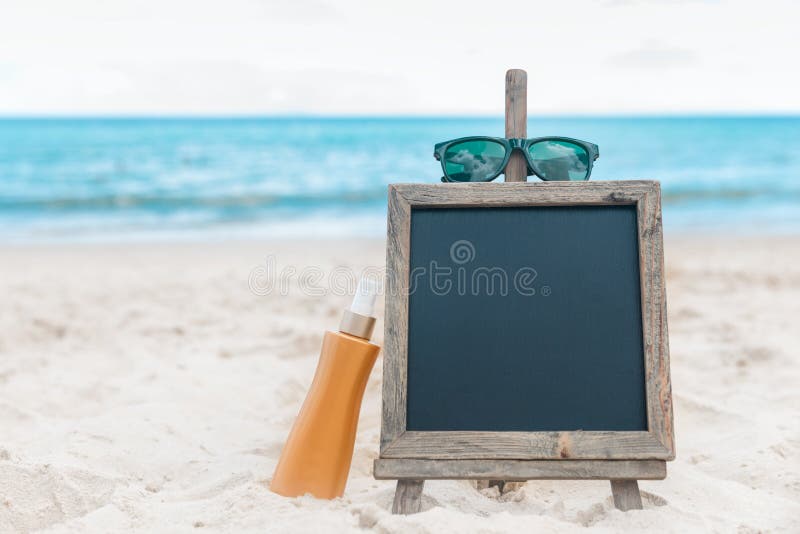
x,y
514,144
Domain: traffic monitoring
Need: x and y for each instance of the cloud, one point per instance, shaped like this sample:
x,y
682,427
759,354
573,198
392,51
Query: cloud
x,y
303,11
362,57
196,86
654,55
614,3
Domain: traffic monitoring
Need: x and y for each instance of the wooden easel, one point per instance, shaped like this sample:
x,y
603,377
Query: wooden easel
x,y
626,492
408,495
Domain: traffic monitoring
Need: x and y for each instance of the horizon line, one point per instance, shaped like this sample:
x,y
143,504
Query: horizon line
x,y
384,116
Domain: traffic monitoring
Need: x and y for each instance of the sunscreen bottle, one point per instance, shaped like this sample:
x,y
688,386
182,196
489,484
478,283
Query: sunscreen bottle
x,y
316,457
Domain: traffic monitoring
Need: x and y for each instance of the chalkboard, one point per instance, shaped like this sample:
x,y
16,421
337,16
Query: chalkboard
x,y
525,319
525,332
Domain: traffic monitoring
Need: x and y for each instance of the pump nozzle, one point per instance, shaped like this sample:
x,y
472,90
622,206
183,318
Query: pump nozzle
x,y
364,299
359,319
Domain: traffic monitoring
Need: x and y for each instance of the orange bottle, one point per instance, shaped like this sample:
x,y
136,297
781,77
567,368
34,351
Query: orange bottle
x,y
316,457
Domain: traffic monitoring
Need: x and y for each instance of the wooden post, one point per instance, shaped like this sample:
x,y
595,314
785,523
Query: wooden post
x,y
408,497
516,121
516,171
626,495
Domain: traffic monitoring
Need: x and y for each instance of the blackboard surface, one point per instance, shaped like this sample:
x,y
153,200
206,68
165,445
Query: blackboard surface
x,y
567,357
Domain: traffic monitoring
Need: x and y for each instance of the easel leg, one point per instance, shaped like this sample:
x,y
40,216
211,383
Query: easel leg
x,y
626,495
408,497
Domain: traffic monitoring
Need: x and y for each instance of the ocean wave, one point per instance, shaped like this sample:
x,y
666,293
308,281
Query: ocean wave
x,y
79,177
318,200
679,196
189,202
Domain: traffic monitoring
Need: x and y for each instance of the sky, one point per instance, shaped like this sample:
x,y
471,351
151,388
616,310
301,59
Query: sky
x,y
345,57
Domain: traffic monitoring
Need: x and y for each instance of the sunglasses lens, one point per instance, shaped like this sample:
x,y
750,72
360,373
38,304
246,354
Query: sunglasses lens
x,y
560,160
474,161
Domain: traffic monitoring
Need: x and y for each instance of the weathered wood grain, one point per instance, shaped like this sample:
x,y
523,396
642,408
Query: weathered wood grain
x,y
516,122
395,365
654,319
478,194
408,497
626,495
527,445
405,469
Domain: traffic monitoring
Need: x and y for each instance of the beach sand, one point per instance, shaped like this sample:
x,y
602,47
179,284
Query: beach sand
x,y
149,387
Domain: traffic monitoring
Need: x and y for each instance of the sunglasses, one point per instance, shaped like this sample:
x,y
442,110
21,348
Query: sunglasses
x,y
482,159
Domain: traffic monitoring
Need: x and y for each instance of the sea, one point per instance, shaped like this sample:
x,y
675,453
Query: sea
x,y
153,179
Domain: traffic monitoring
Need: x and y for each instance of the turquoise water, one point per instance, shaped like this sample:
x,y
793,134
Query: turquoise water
x,y
110,179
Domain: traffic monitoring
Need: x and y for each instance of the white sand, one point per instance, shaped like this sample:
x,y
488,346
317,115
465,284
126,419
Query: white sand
x,y
147,388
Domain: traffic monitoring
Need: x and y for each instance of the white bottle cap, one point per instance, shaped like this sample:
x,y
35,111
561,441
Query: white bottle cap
x,y
359,319
364,299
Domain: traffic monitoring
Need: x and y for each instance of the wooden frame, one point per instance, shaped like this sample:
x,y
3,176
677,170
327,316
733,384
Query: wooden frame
x,y
526,455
